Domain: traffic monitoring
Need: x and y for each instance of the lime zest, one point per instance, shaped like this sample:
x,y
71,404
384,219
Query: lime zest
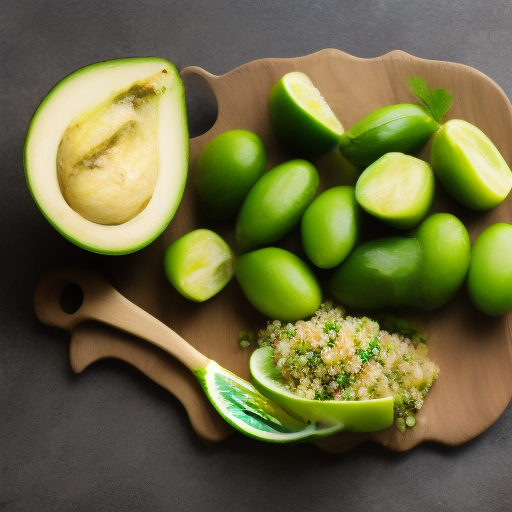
x,y
436,102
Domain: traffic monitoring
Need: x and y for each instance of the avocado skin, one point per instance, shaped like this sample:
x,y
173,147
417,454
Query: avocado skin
x,y
111,240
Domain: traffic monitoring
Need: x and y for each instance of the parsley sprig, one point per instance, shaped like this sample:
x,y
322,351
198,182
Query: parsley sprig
x,y
436,102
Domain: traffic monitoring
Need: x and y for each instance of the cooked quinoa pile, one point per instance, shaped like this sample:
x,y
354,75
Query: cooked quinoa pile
x,y
338,357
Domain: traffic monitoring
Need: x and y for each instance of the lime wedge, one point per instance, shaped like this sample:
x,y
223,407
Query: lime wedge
x,y
301,116
199,264
355,416
244,408
398,189
469,165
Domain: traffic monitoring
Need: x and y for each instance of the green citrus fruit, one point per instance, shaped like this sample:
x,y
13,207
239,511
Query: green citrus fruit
x,y
423,270
329,226
229,165
378,274
445,249
355,416
469,165
278,283
275,204
301,117
489,281
398,189
397,128
253,414
199,264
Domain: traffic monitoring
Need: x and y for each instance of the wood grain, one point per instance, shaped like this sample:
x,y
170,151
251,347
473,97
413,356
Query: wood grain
x,y
474,352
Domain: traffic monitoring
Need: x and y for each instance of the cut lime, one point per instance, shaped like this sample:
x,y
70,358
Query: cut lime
x,y
355,416
301,116
199,264
469,165
244,408
398,189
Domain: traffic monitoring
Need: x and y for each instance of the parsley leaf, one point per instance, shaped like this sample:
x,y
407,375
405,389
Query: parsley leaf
x,y
436,102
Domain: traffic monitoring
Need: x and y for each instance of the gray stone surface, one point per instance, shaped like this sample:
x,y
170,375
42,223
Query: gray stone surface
x,y
109,439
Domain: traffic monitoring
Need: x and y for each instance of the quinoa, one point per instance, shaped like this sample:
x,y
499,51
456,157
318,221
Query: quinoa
x,y
337,357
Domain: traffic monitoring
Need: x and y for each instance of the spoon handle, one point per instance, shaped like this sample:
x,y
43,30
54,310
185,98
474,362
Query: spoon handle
x,y
103,303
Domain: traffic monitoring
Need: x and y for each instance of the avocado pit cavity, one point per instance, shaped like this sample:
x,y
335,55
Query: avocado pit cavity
x,y
107,161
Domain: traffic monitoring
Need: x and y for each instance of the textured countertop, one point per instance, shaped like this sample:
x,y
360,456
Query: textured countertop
x,y
109,439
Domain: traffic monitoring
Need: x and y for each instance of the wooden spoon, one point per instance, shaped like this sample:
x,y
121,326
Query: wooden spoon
x,y
236,400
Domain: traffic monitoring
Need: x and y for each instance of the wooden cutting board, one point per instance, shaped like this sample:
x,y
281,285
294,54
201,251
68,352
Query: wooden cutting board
x,y
473,351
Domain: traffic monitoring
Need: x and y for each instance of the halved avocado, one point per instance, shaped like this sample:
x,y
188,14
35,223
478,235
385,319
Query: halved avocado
x,y
106,153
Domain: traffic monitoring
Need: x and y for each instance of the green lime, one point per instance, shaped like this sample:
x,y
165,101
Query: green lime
x,y
398,189
423,270
278,283
275,204
301,116
330,226
199,264
445,250
229,165
355,416
489,280
469,165
253,414
396,128
336,169
380,273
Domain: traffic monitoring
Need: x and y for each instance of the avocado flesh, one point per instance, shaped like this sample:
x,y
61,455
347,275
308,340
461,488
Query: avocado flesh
x,y
89,92
107,162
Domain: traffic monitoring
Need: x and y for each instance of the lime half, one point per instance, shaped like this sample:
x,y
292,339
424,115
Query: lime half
x,y
301,116
199,264
355,416
244,408
469,165
398,189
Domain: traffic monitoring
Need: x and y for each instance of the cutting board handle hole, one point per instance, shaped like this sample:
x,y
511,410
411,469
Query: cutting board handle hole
x,y
72,298
201,102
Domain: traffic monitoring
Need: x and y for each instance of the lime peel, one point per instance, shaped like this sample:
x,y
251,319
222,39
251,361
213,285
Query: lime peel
x,y
311,100
356,416
301,116
469,166
245,409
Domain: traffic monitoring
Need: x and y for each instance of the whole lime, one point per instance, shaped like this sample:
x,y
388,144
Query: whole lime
x,y
445,249
227,168
278,283
380,273
396,128
275,204
489,281
330,226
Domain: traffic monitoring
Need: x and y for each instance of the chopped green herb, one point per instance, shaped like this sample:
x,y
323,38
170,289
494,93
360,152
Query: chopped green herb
x,y
336,357
245,339
436,102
